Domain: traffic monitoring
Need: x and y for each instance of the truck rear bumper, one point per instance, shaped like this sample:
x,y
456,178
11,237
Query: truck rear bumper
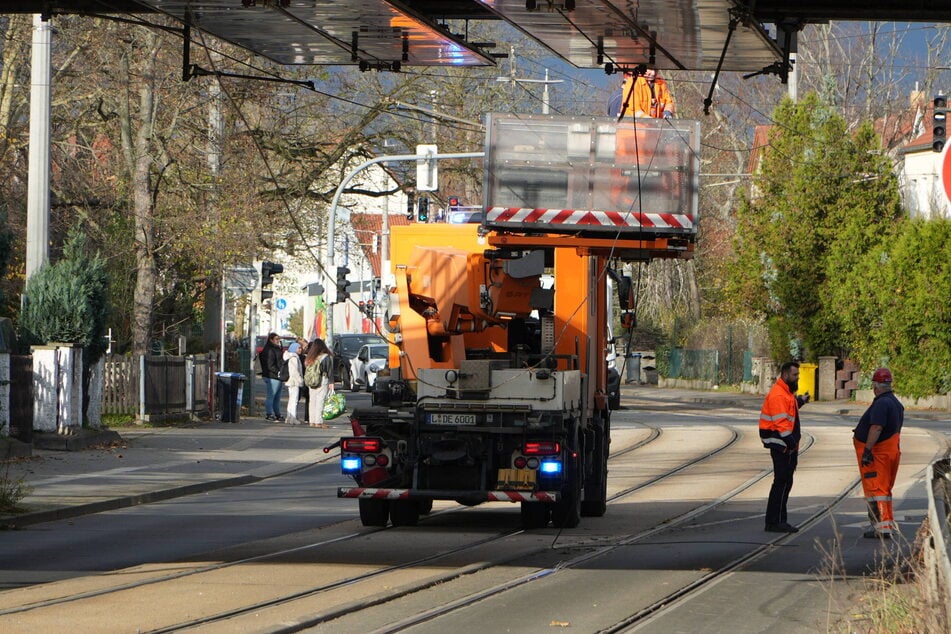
x,y
464,497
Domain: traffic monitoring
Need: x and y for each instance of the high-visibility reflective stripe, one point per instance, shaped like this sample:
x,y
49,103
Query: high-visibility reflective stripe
x,y
879,498
775,417
774,441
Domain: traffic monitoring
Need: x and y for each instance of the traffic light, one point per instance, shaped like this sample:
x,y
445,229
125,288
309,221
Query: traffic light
x,y
342,283
423,215
268,271
453,203
939,123
410,205
366,307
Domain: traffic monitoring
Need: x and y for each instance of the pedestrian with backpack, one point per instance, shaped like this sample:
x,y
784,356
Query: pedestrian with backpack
x,y
318,376
272,358
294,382
304,390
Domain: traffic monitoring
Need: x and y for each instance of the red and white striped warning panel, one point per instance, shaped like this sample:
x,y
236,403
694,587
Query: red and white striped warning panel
x,y
374,494
522,496
566,218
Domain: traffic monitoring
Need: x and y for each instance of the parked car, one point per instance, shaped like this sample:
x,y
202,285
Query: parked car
x,y
260,340
372,359
613,383
344,348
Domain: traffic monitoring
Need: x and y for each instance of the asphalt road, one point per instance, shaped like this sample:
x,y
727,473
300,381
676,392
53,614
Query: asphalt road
x,y
681,548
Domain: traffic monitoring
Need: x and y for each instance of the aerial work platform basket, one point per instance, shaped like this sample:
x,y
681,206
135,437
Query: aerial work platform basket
x,y
637,179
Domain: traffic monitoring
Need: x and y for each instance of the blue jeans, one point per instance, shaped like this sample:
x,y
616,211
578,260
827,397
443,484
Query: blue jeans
x,y
272,397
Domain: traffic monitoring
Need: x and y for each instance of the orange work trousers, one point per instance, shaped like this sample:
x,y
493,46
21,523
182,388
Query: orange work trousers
x,y
878,479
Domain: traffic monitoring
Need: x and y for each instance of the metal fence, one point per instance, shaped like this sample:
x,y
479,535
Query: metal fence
x,y
680,363
705,365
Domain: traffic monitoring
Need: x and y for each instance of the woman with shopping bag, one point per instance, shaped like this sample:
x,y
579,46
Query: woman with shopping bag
x,y
318,376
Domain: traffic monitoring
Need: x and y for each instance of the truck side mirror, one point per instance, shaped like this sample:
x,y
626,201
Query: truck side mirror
x,y
625,292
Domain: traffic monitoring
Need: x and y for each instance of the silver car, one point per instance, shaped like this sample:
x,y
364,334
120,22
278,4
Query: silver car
x,y
370,361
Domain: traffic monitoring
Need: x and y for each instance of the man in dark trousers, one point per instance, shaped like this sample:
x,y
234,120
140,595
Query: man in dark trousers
x,y
779,430
876,441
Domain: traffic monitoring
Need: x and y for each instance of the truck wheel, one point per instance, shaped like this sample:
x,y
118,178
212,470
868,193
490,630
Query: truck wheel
x,y
535,515
595,503
404,512
373,512
345,380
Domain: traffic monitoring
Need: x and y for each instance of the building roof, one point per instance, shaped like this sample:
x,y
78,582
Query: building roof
x,y
368,230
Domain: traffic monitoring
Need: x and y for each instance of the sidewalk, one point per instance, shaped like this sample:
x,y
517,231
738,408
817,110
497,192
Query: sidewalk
x,y
151,464
158,463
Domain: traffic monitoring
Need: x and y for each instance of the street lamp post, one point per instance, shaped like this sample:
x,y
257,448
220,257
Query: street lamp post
x,y
332,220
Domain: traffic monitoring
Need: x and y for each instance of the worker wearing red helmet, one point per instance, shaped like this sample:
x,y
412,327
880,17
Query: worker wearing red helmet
x,y
876,440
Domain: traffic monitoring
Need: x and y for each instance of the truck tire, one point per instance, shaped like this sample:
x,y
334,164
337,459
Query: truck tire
x,y
566,513
535,515
595,503
404,512
346,381
373,512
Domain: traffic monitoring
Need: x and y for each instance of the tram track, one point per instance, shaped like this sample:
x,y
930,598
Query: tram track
x,y
328,616
604,550
432,561
654,433
673,600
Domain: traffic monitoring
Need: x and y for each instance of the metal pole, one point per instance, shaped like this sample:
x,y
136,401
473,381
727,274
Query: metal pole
x,y
545,94
38,180
332,220
793,88
224,293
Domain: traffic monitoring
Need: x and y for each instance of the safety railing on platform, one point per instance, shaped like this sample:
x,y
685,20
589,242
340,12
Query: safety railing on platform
x,y
936,547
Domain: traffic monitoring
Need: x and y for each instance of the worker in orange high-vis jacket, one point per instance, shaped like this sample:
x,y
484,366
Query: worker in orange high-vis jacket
x,y
645,94
876,441
780,432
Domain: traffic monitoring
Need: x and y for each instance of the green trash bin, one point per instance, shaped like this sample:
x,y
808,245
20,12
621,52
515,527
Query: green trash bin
x,y
228,396
807,379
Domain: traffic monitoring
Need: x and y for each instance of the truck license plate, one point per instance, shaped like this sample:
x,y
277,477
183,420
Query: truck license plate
x,y
452,419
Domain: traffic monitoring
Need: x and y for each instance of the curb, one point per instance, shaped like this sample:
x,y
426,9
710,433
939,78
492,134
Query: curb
x,y
74,442
14,522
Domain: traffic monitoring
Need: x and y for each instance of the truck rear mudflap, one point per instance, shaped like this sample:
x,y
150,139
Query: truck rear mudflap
x,y
463,497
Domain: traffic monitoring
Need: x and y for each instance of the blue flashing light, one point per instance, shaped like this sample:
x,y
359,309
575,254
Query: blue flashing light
x,y
350,463
550,467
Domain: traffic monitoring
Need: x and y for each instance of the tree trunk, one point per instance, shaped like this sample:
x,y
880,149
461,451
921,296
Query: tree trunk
x,y
15,58
136,143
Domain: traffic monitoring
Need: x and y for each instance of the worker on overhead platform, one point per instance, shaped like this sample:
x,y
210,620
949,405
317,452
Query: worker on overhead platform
x,y
645,94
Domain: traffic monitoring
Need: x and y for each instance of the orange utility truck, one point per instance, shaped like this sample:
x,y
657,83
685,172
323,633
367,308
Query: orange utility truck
x,y
497,385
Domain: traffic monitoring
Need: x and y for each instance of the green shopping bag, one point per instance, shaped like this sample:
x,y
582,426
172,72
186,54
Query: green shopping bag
x,y
334,406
